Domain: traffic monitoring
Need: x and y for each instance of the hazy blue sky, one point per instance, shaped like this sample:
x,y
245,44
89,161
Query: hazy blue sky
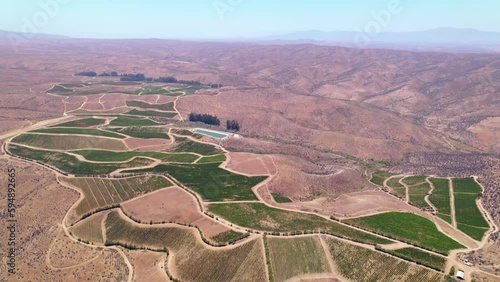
x,y
238,18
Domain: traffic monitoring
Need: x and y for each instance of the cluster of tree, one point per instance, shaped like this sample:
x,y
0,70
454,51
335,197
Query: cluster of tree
x,y
113,73
232,125
167,79
205,118
171,79
86,73
142,77
163,79
132,77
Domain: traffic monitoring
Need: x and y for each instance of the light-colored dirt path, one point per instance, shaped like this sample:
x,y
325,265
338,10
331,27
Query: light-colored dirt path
x,y
313,277
395,246
264,256
452,203
175,104
426,198
103,227
153,164
194,231
454,233
49,251
34,126
452,260
407,190
161,268
329,257
371,247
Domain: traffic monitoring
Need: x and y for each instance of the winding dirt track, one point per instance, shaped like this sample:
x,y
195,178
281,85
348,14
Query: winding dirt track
x,y
451,258
453,232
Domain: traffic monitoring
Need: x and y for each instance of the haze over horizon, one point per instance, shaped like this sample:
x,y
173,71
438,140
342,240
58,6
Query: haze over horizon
x,y
218,19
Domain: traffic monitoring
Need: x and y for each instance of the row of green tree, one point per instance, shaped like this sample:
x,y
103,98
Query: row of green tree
x,y
93,73
205,118
214,120
132,77
142,77
86,73
113,73
232,125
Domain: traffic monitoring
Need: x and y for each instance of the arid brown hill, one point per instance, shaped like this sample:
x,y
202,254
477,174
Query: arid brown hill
x,y
377,104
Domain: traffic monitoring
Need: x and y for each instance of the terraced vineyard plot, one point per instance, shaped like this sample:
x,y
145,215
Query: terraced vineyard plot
x,y
440,197
210,181
143,132
186,132
68,142
466,185
398,188
86,122
400,192
360,264
413,180
111,113
394,182
476,233
418,200
258,216
295,256
162,107
70,164
126,83
193,261
152,91
60,89
409,228
151,113
89,229
79,131
420,257
467,212
417,194
470,219
212,159
378,177
110,156
186,145
228,236
280,198
132,121
101,193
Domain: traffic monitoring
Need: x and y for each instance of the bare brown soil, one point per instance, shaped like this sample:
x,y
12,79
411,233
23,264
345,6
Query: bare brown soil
x,y
172,205
303,98
316,104
487,134
302,180
354,204
156,143
486,259
251,164
168,205
36,188
93,106
147,265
